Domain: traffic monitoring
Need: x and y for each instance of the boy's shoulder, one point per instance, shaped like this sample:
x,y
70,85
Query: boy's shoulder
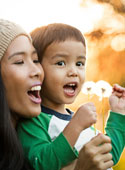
x,y
42,120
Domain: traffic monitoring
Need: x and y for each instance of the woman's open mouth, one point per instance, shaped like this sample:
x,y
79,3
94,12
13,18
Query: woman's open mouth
x,y
34,94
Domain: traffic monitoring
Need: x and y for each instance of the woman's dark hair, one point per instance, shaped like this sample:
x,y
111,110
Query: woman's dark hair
x,y
11,153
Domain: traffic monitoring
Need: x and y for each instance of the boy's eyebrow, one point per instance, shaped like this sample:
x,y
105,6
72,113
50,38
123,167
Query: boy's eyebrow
x,y
59,55
19,53
82,57
64,55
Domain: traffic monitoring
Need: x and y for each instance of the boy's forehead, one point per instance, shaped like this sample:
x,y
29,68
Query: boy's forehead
x,y
66,47
67,41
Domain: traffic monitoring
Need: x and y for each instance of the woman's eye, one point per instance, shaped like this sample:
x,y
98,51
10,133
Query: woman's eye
x,y
80,63
60,63
19,62
36,61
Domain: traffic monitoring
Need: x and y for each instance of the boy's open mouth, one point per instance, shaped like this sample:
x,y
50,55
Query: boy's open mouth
x,y
69,89
70,86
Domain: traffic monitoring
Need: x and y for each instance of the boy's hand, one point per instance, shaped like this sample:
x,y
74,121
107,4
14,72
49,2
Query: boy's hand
x,y
86,115
117,99
83,118
95,154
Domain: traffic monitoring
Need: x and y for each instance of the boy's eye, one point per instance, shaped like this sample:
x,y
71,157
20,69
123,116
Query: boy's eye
x,y
80,63
60,63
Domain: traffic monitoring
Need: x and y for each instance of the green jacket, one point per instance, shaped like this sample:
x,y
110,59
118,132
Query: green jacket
x,y
46,147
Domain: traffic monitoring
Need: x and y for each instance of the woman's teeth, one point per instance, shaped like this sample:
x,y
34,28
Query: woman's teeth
x,y
34,88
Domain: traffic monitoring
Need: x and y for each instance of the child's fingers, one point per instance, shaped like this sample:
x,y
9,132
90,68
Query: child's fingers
x,y
118,94
118,88
124,94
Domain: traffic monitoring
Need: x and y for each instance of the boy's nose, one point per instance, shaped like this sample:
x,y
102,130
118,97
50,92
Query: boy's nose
x,y
72,72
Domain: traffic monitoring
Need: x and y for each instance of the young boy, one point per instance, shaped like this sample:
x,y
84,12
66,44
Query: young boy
x,y
52,140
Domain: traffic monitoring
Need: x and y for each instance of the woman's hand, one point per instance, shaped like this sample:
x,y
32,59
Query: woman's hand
x,y
95,154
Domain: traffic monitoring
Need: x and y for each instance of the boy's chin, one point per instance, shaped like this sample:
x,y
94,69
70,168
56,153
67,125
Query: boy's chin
x,y
70,102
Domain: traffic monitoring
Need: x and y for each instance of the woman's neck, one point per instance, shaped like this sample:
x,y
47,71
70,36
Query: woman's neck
x,y
14,119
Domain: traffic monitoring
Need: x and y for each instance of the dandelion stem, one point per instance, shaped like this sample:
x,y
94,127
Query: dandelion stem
x,y
103,115
94,124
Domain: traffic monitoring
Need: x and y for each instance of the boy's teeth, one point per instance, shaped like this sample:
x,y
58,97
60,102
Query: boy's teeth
x,y
36,88
71,84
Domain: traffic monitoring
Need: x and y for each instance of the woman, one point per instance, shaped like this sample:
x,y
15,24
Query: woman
x,y
22,76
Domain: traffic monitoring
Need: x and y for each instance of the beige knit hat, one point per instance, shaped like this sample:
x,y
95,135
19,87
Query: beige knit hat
x,y
8,32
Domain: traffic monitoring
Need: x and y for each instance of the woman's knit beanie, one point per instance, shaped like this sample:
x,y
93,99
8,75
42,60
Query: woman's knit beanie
x,y
8,32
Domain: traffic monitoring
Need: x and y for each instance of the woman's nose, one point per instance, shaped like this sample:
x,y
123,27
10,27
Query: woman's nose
x,y
37,71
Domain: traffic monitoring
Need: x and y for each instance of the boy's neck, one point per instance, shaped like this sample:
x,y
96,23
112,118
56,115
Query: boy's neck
x,y
57,107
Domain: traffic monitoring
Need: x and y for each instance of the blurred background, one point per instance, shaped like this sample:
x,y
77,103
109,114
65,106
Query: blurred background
x,y
106,53
103,24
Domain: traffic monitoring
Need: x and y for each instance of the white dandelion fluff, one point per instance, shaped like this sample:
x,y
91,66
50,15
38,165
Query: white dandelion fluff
x,y
88,88
103,89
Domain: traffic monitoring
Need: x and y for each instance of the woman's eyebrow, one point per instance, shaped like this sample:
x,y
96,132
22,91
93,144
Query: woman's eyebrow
x,y
20,53
16,53
34,52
